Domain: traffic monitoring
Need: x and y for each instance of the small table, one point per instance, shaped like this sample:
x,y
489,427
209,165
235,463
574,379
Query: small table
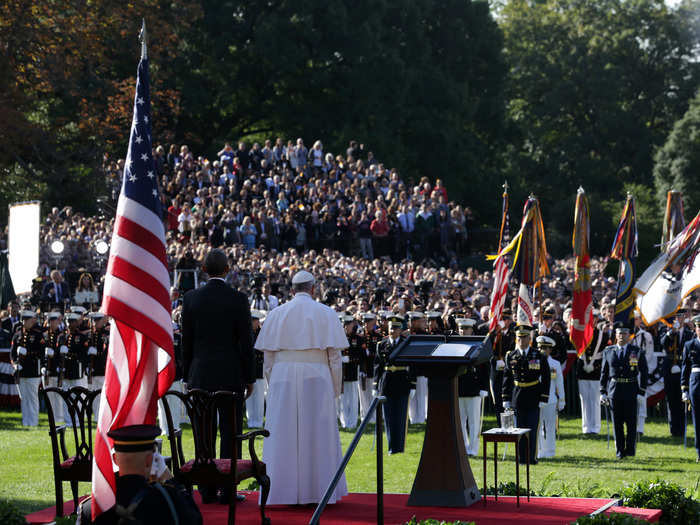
x,y
499,435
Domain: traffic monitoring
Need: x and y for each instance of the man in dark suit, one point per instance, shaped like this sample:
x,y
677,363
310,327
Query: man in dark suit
x,y
623,382
56,291
217,345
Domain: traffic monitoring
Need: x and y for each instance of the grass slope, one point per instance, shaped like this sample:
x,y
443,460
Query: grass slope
x,y
584,467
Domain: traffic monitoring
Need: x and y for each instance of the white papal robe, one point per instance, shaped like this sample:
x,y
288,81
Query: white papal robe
x,y
302,341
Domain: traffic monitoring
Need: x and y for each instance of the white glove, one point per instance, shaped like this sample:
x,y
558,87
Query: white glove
x,y
43,370
158,466
560,405
64,349
542,404
483,393
675,369
641,399
92,351
684,397
604,399
18,367
500,364
21,350
49,352
588,368
344,359
507,405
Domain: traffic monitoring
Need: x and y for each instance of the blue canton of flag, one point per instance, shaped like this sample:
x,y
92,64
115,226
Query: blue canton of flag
x,y
140,181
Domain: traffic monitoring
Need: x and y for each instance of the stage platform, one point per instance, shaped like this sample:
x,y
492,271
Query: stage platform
x,y
360,509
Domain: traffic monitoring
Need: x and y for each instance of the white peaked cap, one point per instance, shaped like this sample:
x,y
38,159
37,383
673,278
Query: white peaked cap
x,y
302,277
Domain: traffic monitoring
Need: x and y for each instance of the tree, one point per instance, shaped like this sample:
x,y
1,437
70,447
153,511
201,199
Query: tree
x,y
677,163
594,88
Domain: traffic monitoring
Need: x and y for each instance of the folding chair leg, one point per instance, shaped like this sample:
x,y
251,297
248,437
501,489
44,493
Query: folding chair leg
x,y
264,482
232,507
74,490
59,498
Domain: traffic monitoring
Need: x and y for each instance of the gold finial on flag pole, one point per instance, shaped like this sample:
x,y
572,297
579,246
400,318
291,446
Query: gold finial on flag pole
x,y
142,37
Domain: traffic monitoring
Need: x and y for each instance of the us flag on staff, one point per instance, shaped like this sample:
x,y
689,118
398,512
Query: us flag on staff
x,y
140,364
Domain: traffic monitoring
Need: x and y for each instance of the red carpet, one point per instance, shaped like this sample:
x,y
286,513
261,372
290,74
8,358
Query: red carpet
x,y
360,509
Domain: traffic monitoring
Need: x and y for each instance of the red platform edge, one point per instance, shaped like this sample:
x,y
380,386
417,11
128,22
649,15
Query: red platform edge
x,y
361,509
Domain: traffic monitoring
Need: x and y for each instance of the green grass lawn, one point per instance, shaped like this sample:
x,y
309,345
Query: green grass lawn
x,y
583,466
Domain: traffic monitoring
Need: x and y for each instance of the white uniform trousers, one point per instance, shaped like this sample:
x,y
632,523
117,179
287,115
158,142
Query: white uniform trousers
x,y
547,438
349,404
641,414
470,416
176,409
255,404
366,397
29,396
57,404
418,401
70,383
97,383
589,392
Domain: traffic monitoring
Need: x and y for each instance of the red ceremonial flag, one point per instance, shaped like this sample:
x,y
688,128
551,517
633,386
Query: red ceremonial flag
x,y
581,327
140,363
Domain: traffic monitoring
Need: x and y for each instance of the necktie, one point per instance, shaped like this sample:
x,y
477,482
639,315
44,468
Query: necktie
x,y
57,292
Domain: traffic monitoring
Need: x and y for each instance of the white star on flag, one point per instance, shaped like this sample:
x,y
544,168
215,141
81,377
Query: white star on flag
x,y
155,193
138,140
144,156
150,174
139,101
132,178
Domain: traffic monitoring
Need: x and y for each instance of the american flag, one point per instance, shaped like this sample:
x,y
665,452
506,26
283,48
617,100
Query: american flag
x,y
140,365
501,274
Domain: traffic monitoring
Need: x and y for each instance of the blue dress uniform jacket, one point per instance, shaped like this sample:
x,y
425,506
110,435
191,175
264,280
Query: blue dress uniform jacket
x,y
690,382
526,379
672,343
33,341
395,383
623,378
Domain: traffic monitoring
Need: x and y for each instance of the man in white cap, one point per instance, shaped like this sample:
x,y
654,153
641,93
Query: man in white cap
x,y
302,341
547,437
26,353
418,401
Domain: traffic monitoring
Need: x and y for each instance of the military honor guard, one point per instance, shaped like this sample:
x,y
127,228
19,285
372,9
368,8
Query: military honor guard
x,y
672,343
352,357
504,343
26,353
623,382
255,404
526,379
588,368
645,342
369,336
177,407
472,389
53,362
98,348
435,324
690,380
73,349
418,402
556,402
547,329
395,383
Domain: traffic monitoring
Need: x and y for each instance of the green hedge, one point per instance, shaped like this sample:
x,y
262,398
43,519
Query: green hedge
x,y
614,518
10,515
670,498
414,521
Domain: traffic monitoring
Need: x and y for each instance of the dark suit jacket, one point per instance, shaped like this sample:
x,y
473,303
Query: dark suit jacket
x,y
217,338
623,377
47,294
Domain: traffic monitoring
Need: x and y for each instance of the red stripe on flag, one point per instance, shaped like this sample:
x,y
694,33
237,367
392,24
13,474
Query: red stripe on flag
x,y
137,234
139,322
137,278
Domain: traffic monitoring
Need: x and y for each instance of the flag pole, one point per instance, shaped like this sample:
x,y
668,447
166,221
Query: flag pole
x,y
143,37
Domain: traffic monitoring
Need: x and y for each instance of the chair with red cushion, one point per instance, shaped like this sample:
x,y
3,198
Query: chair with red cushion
x,y
206,468
77,467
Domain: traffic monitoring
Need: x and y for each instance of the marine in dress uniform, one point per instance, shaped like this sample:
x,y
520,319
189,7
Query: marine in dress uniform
x,y
526,379
588,367
556,402
472,388
547,329
163,501
623,382
369,336
73,348
352,357
672,343
177,407
255,404
690,379
53,363
395,383
98,348
26,353
505,342
418,401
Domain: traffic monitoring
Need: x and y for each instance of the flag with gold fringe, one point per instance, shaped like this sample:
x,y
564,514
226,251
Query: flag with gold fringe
x,y
624,249
674,219
581,331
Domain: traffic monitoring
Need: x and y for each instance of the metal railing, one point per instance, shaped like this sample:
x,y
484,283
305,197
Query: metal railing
x,y
378,433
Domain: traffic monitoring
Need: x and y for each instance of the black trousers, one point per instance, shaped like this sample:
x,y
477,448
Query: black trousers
x,y
528,418
395,413
625,414
672,385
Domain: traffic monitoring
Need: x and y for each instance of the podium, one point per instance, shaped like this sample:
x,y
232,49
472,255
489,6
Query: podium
x,y
444,477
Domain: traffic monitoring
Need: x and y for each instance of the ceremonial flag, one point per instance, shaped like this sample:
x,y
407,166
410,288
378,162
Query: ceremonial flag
x,y
674,219
501,274
581,330
140,363
624,249
526,311
671,277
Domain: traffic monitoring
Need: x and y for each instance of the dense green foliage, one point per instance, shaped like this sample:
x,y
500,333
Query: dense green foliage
x,y
414,521
671,498
609,519
548,94
10,514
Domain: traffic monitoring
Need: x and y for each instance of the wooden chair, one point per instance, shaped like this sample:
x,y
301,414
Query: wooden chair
x,y
206,468
78,467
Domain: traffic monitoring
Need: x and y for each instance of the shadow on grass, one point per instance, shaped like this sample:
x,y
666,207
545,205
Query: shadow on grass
x,y
27,506
633,463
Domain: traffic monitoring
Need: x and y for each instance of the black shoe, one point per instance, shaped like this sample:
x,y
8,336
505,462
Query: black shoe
x,y
620,455
224,498
207,496
240,498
